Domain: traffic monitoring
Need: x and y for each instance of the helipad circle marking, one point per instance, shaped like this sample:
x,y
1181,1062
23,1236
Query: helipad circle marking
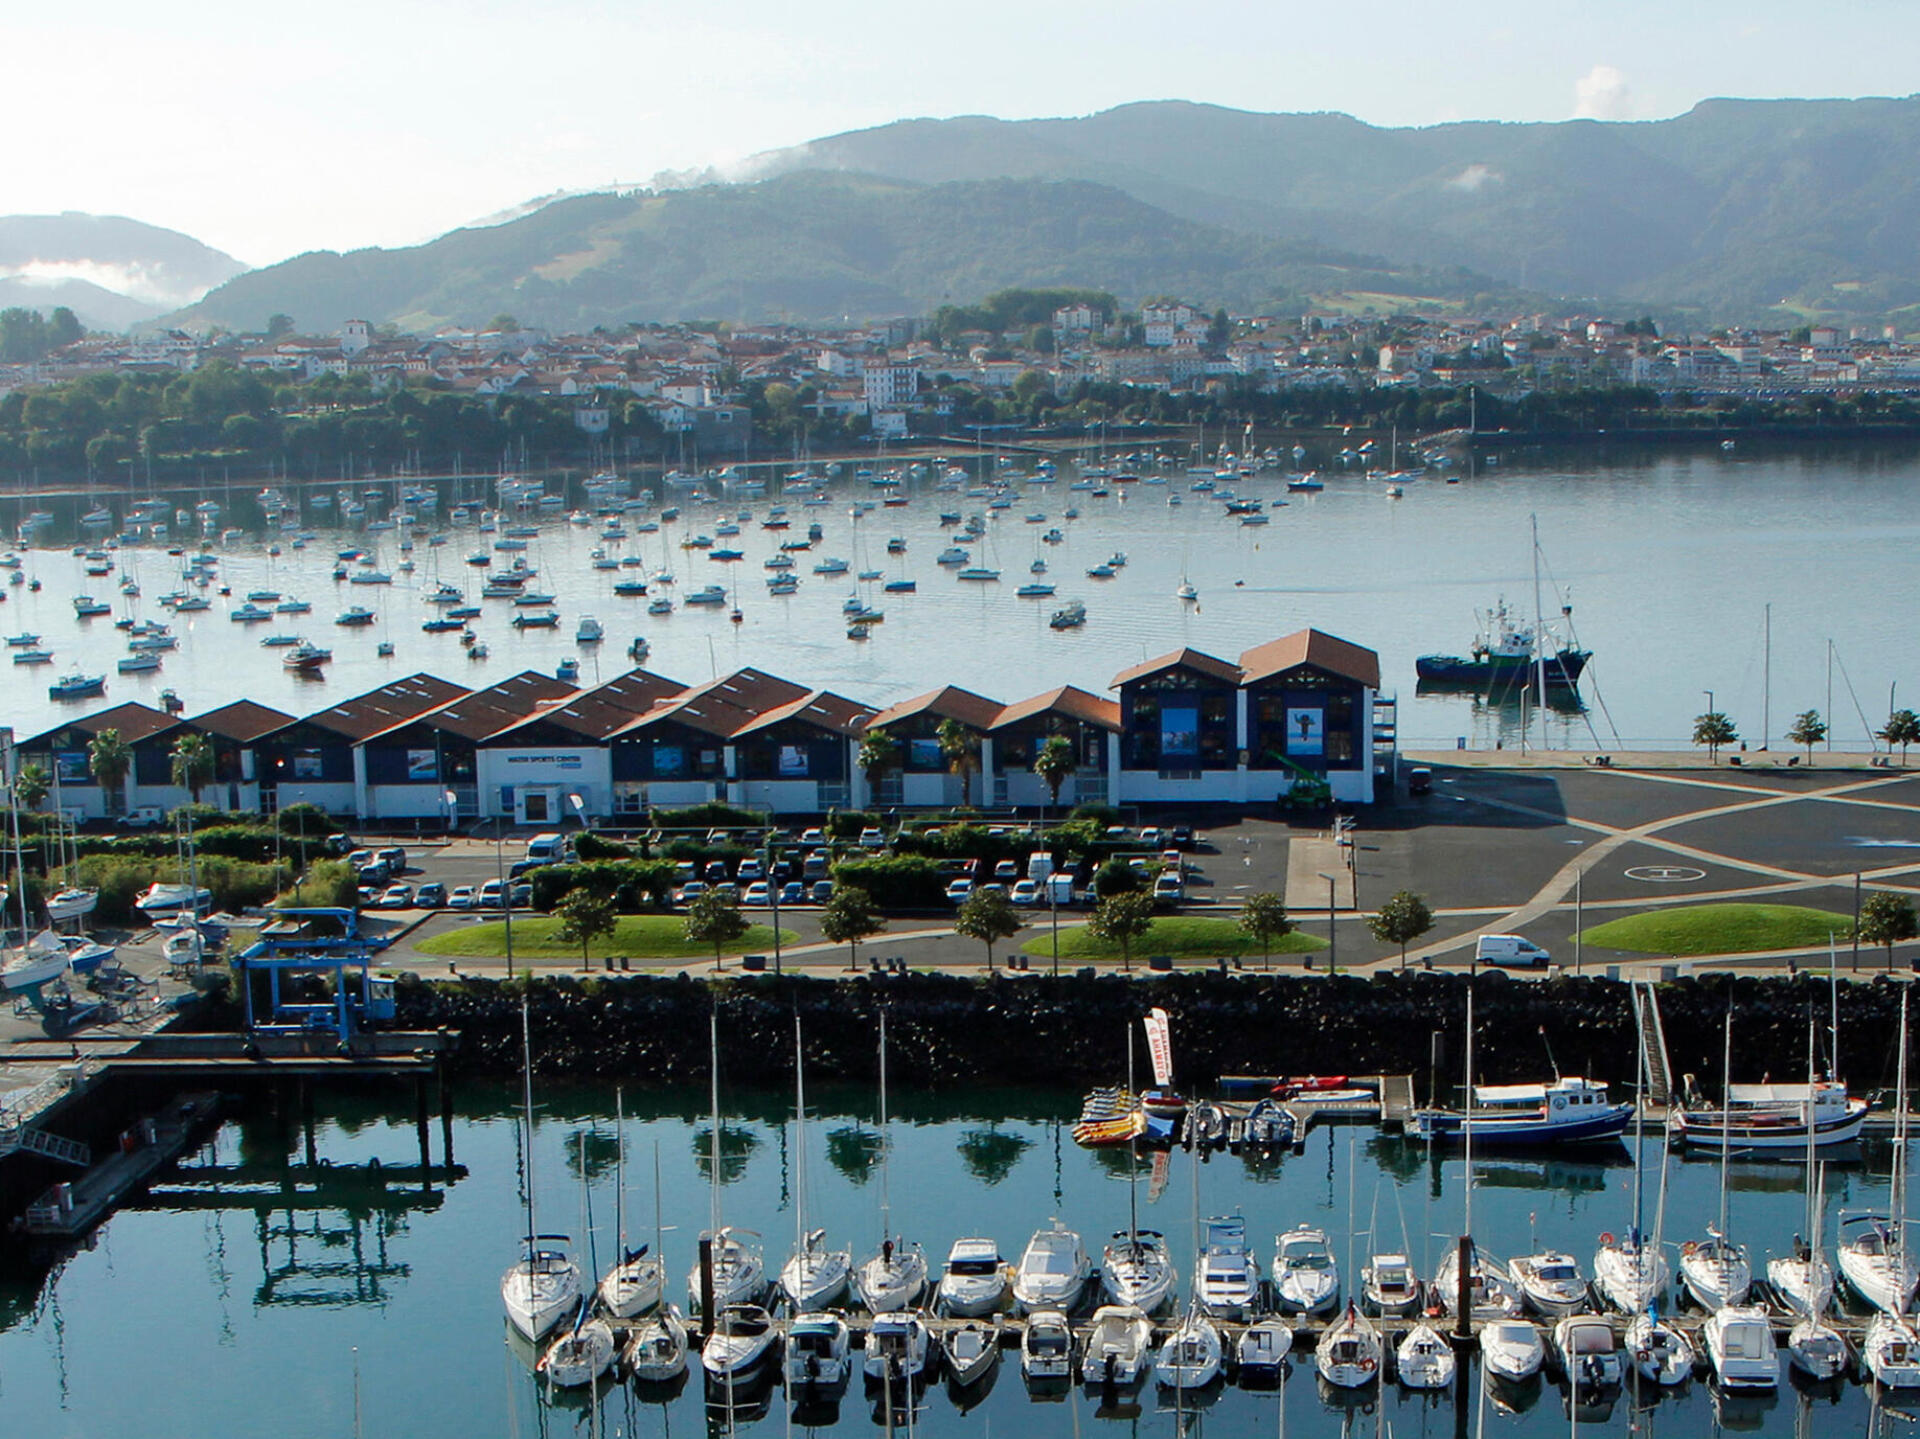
x,y
1665,873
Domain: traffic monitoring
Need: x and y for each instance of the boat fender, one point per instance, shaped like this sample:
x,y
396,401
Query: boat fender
x,y
1689,1247
1366,1365
1606,1239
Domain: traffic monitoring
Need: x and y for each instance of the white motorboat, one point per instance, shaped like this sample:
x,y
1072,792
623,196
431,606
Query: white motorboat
x,y
1136,1269
1192,1354
1260,1353
41,960
1550,1282
159,900
974,1281
1306,1280
744,1338
656,1348
1662,1354
969,1350
1583,1343
1423,1360
1774,1117
1817,1350
1388,1285
739,1274
184,946
1739,1344
1046,1346
1053,1271
1715,1272
1512,1349
580,1355
542,1287
1227,1278
1348,1354
72,902
819,1352
1119,1346
897,1347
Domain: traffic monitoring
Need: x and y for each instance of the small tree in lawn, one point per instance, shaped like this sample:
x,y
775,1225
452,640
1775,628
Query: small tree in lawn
x,y
1054,763
848,918
988,916
1403,918
584,917
1903,729
1714,729
1887,918
1264,917
1808,730
1121,919
714,918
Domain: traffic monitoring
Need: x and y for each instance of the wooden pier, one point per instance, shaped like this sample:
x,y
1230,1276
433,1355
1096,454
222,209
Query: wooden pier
x,y
72,1207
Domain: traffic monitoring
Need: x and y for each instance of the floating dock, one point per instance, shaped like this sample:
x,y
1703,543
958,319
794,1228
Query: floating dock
x,y
72,1207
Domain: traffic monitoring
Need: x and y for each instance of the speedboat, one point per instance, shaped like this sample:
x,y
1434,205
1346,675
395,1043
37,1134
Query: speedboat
x,y
542,1287
580,1355
1053,1272
969,1351
1740,1347
897,1347
1135,1269
1423,1359
1046,1346
743,1339
1891,1351
974,1281
1715,1271
814,1276
1388,1285
1260,1353
738,1274
818,1351
656,1349
1550,1282
1662,1354
1227,1281
1348,1354
1192,1354
1511,1349
1629,1273
1306,1280
1583,1343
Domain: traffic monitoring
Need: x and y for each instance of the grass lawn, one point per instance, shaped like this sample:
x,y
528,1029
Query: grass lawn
x,y
1719,929
638,936
1182,936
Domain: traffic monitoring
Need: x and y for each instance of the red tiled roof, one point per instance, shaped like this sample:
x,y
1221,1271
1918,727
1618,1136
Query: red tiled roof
x,y
1069,701
387,706
1311,647
476,715
597,713
242,720
948,702
132,719
1184,658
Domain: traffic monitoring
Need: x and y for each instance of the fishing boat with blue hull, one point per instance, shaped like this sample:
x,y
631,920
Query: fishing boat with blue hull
x,y
1505,652
1571,1110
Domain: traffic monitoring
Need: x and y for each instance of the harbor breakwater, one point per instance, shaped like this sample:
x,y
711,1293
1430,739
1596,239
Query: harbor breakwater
x,y
946,1031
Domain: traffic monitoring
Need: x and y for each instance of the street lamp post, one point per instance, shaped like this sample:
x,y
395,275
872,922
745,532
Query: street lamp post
x,y
1333,933
773,895
506,894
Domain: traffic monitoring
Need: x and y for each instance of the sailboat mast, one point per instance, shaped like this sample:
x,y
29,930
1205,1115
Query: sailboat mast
x,y
713,1035
1466,1121
526,1074
620,1170
886,1189
1900,1144
1539,638
800,1139
1726,1112
1639,1119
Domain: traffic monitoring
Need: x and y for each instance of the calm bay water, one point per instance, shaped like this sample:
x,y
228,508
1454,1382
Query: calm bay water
x,y
234,1315
1670,562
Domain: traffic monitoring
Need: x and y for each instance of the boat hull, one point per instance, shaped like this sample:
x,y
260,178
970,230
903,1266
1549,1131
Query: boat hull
x,y
1608,1122
1563,669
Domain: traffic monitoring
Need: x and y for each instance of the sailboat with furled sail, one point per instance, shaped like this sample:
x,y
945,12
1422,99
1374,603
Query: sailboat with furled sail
x,y
638,1278
815,1277
737,1271
1135,1268
542,1287
894,1278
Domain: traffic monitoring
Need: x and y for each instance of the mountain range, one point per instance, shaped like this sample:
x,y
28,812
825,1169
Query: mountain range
x,y
1738,210
112,272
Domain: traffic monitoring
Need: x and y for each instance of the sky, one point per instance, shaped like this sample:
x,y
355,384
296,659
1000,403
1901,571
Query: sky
x,y
268,130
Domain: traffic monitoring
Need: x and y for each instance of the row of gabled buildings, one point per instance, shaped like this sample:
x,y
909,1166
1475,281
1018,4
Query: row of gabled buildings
x,y
1187,727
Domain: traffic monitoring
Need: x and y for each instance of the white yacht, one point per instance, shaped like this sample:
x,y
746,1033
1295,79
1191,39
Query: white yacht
x,y
1046,1347
656,1349
743,1339
819,1352
1306,1280
1550,1282
580,1355
1119,1344
1349,1352
1227,1281
1136,1269
1739,1344
1389,1286
1584,1345
739,1275
1423,1359
1662,1353
1715,1271
969,1351
1511,1349
974,1281
897,1347
1628,1272
1053,1272
1260,1353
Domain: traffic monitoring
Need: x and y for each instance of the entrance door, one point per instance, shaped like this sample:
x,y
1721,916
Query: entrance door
x,y
535,802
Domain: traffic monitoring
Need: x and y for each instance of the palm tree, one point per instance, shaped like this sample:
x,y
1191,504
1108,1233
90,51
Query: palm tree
x,y
1054,763
110,760
878,753
30,786
192,763
960,747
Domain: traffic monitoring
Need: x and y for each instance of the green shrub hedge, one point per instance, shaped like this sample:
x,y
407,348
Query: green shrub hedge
x,y
632,884
895,881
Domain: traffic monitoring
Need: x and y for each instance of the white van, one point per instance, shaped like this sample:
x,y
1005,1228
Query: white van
x,y
1508,949
547,848
1039,866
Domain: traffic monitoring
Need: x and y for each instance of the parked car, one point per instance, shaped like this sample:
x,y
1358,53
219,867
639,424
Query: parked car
x,y
871,838
690,891
359,858
1169,887
1182,836
729,889
960,890
716,872
757,894
490,895
462,897
524,866
374,872
395,857
1419,780
1024,891
748,871
333,844
431,895
1006,869
793,892
521,895
396,896
1150,836
822,891
814,836
815,865
367,896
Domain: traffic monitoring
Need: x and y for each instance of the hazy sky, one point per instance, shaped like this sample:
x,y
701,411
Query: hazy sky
x,y
270,129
